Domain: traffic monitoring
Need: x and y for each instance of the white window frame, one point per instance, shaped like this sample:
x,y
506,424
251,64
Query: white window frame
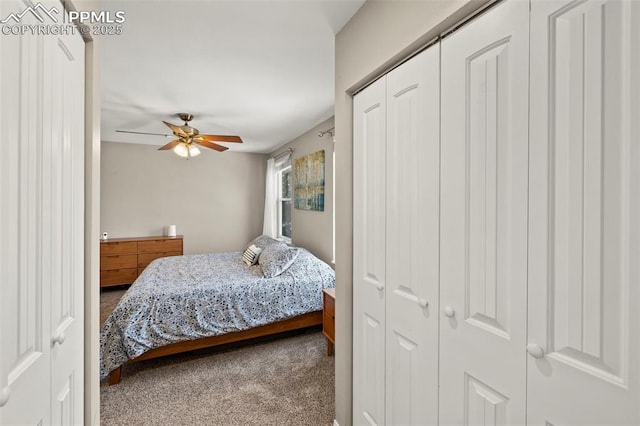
x,y
280,199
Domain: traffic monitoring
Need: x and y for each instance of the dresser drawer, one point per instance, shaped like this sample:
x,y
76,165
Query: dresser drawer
x,y
329,314
329,327
160,246
123,259
120,261
118,276
145,258
122,247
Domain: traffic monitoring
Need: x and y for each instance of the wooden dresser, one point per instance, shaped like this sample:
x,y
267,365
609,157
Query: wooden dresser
x,y
123,259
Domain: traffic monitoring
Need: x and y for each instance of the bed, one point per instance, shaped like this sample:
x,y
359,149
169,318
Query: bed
x,y
183,303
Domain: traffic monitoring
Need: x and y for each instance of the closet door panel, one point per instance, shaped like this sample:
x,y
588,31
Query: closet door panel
x,y
484,148
583,270
63,115
413,151
369,241
25,351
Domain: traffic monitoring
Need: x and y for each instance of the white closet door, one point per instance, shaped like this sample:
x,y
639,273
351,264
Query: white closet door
x,y
413,175
64,184
41,226
484,219
369,151
25,346
584,363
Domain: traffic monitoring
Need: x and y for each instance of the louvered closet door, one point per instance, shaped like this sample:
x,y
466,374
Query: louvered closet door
x,y
369,181
413,123
584,298
483,291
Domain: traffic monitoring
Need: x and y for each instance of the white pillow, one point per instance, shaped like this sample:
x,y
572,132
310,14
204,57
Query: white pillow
x,y
251,255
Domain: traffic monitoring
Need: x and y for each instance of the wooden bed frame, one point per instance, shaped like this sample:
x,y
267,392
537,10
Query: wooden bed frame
x,y
295,323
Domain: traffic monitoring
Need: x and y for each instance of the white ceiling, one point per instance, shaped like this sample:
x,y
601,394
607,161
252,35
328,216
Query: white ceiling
x,y
263,70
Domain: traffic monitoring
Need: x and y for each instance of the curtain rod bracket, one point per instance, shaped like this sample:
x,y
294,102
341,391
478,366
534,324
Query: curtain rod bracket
x,y
330,131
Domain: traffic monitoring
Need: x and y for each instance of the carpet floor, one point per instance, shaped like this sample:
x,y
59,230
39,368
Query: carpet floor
x,y
284,381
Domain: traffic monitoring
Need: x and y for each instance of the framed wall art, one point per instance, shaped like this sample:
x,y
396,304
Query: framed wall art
x,y
308,180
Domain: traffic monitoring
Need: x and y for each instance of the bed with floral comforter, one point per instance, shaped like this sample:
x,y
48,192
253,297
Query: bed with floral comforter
x,y
195,296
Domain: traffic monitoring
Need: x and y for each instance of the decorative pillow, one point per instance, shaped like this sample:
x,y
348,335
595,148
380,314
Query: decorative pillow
x,y
251,255
262,241
276,258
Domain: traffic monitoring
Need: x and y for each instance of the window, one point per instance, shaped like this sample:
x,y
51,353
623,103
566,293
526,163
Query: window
x,y
284,203
277,197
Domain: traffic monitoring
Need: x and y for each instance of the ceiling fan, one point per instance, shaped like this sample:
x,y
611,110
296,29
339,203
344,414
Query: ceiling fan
x,y
189,137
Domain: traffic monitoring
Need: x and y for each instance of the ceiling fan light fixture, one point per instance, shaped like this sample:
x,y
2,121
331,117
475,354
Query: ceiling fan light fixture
x,y
186,150
181,150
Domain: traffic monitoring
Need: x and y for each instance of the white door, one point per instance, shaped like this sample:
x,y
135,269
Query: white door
x,y
41,225
413,153
25,346
483,291
65,181
369,150
584,363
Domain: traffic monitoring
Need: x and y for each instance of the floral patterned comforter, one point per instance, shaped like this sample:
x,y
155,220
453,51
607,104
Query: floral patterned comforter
x,y
193,296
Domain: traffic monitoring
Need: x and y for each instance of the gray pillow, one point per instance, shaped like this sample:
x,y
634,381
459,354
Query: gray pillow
x,y
262,241
277,258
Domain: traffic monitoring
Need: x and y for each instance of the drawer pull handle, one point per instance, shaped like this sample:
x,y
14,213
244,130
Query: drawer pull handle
x,y
379,286
423,303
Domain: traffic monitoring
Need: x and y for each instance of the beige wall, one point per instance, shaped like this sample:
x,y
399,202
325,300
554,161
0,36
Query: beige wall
x,y
379,35
216,200
311,229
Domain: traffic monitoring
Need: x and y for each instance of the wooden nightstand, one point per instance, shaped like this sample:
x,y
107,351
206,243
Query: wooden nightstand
x,y
329,317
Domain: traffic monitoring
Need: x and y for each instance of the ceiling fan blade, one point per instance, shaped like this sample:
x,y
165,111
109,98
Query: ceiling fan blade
x,y
176,130
219,138
211,145
143,133
169,145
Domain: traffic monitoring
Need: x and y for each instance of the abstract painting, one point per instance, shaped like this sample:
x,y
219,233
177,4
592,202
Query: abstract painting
x,y
308,181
